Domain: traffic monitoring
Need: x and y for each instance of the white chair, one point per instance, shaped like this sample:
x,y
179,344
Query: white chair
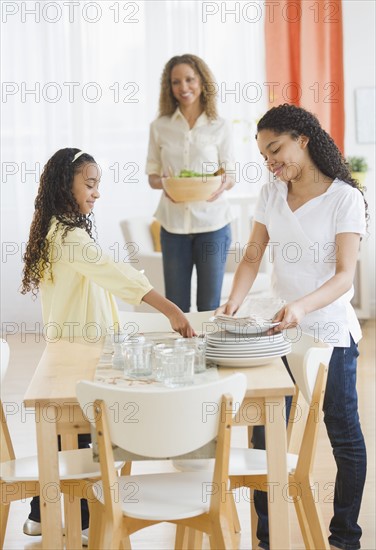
x,y
19,477
4,358
242,209
308,363
168,423
137,235
137,321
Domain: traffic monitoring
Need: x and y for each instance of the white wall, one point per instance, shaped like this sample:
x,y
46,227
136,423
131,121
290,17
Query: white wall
x,y
359,69
109,53
129,49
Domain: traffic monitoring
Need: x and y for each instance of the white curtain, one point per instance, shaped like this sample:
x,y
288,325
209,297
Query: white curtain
x,y
86,74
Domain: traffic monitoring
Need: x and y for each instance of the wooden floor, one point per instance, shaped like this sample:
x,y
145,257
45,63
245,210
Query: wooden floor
x,y
24,357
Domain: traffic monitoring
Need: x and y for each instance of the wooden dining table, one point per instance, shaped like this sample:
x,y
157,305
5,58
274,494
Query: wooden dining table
x,y
52,393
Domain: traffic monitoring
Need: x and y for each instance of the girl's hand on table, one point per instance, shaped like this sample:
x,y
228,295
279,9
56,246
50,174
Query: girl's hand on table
x,y
180,324
178,320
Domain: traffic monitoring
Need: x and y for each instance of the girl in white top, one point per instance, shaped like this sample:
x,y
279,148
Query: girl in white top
x,y
189,135
310,220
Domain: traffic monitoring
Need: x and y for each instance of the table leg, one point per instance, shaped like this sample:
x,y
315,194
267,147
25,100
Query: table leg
x,y
52,532
72,505
276,445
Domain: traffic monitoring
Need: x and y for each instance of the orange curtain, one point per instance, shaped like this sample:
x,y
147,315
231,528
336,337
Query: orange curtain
x,y
304,59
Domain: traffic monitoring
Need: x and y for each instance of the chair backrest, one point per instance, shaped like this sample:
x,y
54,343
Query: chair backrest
x,y
308,362
304,360
137,230
199,320
136,321
6,447
161,422
4,358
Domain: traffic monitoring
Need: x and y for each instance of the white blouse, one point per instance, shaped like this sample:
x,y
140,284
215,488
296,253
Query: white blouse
x,y
302,249
203,148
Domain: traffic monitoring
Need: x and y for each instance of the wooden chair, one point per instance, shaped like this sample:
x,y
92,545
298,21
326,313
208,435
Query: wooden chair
x,y
308,363
167,423
19,477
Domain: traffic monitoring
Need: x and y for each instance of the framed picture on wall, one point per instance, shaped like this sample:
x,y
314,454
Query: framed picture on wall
x,y
365,115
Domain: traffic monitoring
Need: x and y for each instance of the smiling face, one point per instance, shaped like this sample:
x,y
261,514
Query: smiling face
x,y
185,85
85,187
286,157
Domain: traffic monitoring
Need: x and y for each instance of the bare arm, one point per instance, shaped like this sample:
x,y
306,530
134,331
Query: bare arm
x,y
176,317
227,183
155,181
247,270
347,246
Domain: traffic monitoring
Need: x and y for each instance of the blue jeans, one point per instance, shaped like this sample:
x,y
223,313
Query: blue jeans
x,y
83,443
345,434
208,252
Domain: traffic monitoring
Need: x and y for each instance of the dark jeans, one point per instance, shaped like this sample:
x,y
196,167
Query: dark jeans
x,y
208,252
345,434
83,443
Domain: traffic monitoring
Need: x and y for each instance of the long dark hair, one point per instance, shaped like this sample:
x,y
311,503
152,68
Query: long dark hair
x,y
296,121
54,198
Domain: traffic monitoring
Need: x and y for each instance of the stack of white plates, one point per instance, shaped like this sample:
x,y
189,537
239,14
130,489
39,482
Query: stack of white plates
x,y
252,324
237,350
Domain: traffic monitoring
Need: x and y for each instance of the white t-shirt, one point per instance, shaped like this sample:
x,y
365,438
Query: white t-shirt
x,y
302,248
203,149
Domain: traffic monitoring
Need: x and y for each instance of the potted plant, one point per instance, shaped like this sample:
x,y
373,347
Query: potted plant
x,y
358,167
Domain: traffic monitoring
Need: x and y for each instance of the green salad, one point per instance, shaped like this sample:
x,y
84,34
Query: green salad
x,y
192,174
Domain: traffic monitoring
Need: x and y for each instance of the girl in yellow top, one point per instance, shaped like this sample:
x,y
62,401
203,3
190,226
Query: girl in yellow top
x,y
76,279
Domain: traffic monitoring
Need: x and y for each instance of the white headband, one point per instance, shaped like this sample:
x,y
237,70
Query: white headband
x,y
78,155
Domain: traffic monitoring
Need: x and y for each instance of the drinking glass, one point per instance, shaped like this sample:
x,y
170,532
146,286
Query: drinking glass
x,y
199,346
158,369
178,366
117,339
137,358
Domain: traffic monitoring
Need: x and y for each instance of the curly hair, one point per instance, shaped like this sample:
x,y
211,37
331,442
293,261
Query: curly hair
x,y
167,101
54,198
296,121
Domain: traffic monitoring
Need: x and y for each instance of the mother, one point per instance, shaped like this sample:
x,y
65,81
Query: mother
x,y
188,134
